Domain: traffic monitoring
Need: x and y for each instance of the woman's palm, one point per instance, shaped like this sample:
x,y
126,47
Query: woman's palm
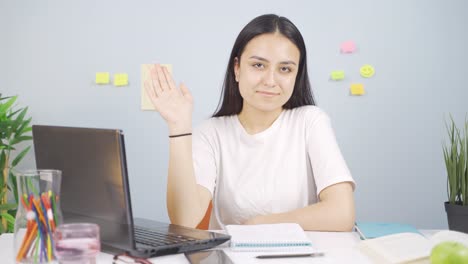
x,y
175,105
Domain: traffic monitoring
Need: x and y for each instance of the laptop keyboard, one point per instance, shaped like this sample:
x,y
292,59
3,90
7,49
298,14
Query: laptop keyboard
x,y
154,238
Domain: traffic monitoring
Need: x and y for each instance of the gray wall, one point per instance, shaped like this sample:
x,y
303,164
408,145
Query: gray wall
x,y
391,138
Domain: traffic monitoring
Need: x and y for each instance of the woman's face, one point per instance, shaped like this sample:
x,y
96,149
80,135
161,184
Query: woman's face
x,y
267,71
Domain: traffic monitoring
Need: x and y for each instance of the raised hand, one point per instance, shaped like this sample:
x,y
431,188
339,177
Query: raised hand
x,y
173,104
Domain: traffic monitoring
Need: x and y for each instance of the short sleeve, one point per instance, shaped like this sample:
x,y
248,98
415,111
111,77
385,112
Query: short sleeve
x,y
204,157
328,164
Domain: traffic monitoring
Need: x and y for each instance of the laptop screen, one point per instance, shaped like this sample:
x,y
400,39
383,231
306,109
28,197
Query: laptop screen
x,y
94,177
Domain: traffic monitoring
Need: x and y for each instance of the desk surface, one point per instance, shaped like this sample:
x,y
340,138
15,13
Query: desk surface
x,y
339,247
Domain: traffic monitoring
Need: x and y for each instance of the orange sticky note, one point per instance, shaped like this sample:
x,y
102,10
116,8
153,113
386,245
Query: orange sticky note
x,y
348,47
357,89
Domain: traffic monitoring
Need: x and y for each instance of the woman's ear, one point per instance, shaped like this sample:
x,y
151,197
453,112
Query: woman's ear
x,y
236,69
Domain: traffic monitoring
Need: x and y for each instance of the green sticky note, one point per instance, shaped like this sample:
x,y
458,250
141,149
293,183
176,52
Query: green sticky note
x,y
120,79
102,77
337,75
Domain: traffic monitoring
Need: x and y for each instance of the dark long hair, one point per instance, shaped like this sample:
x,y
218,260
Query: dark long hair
x,y
231,100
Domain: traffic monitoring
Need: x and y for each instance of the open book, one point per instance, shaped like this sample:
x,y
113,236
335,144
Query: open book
x,y
407,247
271,237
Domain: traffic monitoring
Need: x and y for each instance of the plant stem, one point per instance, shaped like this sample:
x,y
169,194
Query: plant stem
x,y
4,199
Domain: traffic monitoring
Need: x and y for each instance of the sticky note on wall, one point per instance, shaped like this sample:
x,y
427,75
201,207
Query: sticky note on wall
x,y
120,79
367,71
102,78
337,75
348,47
357,89
146,76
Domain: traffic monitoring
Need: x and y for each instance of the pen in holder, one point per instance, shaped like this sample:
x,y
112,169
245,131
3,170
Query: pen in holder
x,y
37,216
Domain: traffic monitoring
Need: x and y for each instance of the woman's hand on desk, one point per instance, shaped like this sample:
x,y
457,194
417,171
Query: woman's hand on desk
x,y
175,105
334,212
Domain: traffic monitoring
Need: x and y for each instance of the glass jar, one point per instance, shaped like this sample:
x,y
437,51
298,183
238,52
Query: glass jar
x,y
37,216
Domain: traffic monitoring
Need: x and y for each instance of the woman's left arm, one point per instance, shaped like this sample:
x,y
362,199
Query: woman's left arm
x,y
334,211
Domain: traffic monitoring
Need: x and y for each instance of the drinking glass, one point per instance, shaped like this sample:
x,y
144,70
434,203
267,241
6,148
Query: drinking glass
x,y
77,243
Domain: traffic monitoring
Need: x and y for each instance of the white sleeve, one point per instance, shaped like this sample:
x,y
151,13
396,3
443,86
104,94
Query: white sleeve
x,y
328,164
204,157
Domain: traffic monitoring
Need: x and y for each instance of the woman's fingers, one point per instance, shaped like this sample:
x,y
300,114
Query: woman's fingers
x,y
186,92
169,79
156,87
150,90
161,78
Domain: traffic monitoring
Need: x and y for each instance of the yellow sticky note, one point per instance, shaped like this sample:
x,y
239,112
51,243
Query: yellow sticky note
x,y
146,76
102,77
337,75
367,71
120,79
357,89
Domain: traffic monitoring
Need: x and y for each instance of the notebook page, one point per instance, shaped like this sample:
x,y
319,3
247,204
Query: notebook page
x,y
262,237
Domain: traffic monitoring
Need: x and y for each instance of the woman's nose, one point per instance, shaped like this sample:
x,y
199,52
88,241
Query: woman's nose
x,y
270,78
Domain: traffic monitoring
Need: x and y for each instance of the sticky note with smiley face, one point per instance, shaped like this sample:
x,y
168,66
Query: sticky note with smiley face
x,y
357,89
367,71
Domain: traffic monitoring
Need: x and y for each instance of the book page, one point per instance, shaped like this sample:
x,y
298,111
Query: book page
x,y
398,248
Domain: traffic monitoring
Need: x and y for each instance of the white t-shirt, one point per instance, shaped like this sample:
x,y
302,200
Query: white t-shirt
x,y
280,169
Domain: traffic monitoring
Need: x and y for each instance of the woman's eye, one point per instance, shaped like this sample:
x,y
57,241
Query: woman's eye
x,y
258,65
285,69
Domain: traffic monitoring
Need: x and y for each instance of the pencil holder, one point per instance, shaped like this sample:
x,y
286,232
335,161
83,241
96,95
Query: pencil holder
x,y
37,216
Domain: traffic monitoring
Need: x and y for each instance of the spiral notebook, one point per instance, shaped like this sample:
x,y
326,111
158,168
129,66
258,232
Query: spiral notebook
x,y
271,237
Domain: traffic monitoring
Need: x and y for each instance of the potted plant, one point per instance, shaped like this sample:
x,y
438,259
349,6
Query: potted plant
x,y
14,129
456,163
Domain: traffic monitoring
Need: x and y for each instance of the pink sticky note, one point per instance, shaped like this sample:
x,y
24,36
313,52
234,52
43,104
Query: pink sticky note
x,y
348,47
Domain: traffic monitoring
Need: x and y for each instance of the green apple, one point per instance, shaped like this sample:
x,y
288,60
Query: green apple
x,y
449,252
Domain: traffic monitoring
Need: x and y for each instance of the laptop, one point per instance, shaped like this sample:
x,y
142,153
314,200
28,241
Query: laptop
x,y
95,189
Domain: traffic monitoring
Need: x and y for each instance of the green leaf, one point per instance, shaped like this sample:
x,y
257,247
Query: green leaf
x,y
19,139
27,129
10,116
19,118
6,106
14,185
23,127
10,219
20,156
3,160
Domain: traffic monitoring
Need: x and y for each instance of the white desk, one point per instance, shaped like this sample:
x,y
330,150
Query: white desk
x,y
339,247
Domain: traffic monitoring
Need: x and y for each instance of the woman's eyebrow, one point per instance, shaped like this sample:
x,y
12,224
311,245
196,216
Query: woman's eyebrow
x,y
265,60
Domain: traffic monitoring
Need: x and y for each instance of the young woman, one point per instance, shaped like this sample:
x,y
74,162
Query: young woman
x,y
268,155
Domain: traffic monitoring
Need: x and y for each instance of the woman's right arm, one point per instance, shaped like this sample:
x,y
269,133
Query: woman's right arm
x,y
186,200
